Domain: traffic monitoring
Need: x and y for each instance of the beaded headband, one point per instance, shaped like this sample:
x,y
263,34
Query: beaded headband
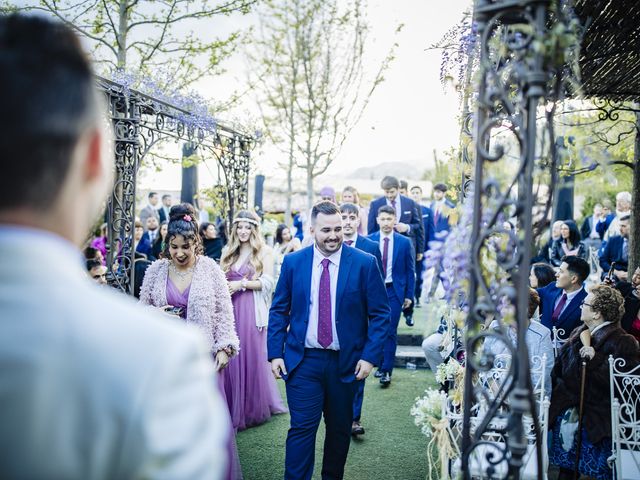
x,y
248,220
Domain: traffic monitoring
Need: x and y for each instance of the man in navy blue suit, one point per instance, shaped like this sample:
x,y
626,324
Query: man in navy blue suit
x,y
617,250
560,300
427,222
327,326
441,207
350,223
398,270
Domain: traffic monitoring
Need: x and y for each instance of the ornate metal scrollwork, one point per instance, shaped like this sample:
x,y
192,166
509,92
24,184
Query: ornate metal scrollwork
x,y
140,122
512,82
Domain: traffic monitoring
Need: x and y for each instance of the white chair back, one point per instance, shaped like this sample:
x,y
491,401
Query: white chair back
x,y
559,339
625,419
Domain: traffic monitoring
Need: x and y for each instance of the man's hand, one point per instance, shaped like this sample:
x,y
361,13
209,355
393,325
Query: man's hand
x,y
363,369
407,303
277,367
419,257
621,275
402,227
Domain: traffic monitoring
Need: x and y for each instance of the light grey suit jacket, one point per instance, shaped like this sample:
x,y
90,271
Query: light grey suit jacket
x,y
93,386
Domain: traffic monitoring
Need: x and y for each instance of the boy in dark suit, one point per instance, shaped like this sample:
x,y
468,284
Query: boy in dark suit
x,y
398,271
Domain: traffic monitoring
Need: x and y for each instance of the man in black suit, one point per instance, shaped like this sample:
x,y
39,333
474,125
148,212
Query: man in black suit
x,y
409,222
617,250
350,223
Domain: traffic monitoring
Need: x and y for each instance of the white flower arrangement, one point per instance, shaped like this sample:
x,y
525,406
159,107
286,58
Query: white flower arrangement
x,y
427,411
448,371
269,227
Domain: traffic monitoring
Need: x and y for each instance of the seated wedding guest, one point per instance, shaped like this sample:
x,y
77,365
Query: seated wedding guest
x,y
568,244
151,233
141,244
610,226
100,242
250,389
541,275
150,209
560,300
589,231
92,253
211,241
544,253
96,387
192,287
601,313
631,293
398,271
159,243
616,252
97,271
537,338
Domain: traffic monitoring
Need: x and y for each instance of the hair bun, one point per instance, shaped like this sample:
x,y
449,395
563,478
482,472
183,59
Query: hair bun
x,y
178,212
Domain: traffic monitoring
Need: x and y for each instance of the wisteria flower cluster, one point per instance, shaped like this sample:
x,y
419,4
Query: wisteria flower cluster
x,y
457,46
427,410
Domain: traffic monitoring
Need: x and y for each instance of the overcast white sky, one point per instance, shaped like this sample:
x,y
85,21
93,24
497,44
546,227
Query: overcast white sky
x,y
409,115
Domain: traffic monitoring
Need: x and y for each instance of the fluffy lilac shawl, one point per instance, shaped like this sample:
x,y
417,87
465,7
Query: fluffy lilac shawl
x,y
209,305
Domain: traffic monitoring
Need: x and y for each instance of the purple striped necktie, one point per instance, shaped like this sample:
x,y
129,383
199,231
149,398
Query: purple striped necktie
x,y
349,242
385,254
325,334
558,310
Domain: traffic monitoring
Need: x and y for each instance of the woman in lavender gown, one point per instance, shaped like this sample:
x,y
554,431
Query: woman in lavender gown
x,y
192,286
250,389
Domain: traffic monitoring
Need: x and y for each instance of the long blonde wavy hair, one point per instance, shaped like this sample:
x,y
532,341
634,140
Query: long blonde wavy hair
x,y
232,251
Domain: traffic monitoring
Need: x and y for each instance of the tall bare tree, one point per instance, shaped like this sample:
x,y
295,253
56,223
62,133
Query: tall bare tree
x,y
144,36
313,79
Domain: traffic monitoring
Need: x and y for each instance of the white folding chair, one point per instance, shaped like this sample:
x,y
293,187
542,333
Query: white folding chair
x,y
559,340
625,419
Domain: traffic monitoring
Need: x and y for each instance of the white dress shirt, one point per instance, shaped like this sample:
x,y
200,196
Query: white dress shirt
x,y
569,299
354,239
389,277
398,209
311,340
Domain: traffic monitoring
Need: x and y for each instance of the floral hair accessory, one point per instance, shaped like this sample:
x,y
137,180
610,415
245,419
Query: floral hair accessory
x,y
187,218
248,220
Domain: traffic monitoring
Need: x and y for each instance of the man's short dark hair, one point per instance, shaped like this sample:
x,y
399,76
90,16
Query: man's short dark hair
x,y
577,266
404,184
624,218
386,209
166,195
151,194
440,186
49,100
91,264
326,208
349,208
389,182
416,186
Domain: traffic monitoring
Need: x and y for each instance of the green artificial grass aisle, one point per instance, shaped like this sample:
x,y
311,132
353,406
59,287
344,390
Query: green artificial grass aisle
x,y
392,448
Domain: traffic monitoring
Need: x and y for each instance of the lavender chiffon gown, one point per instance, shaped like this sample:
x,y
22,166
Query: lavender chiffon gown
x,y
177,299
251,391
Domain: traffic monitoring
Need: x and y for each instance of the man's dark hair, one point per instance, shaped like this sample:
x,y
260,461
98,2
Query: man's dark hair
x,y
48,95
166,195
326,208
440,186
577,266
624,218
151,194
386,209
91,264
416,186
389,182
404,184
349,208
90,252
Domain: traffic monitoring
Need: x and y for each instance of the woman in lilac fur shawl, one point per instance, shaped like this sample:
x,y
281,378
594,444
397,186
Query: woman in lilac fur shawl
x,y
190,285
251,391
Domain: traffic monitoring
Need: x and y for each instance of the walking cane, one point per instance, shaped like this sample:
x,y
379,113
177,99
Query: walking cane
x,y
585,338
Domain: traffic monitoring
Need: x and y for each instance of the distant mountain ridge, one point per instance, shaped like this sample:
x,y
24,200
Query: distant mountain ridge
x,y
401,170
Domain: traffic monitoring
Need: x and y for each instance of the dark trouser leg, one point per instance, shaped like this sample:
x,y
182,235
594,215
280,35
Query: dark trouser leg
x,y
338,411
357,401
389,352
419,279
305,395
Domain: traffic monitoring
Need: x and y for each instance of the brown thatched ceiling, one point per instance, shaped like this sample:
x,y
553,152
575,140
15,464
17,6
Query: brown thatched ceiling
x,y
610,55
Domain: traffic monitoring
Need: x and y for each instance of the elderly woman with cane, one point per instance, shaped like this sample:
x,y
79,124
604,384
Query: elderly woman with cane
x,y
580,411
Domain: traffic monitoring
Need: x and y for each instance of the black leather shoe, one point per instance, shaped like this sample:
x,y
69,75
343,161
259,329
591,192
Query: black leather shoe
x,y
418,304
385,380
378,374
357,429
409,320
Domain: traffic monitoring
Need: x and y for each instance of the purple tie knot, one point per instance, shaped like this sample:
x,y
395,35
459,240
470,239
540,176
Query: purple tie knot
x,y
325,263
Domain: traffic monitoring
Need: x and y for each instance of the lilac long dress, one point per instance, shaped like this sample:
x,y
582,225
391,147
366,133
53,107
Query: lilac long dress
x,y
251,391
177,299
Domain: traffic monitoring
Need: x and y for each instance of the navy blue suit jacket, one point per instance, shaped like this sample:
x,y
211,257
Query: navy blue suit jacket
x,y
442,222
370,247
403,267
409,213
427,223
570,317
362,310
613,253
602,227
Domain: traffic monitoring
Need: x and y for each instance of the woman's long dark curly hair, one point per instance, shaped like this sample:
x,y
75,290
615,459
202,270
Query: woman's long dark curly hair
x,y
182,221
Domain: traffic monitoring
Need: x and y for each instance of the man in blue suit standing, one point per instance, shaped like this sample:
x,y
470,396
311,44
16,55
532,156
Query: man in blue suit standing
x,y
327,326
398,270
350,223
560,300
617,250
427,222
441,207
